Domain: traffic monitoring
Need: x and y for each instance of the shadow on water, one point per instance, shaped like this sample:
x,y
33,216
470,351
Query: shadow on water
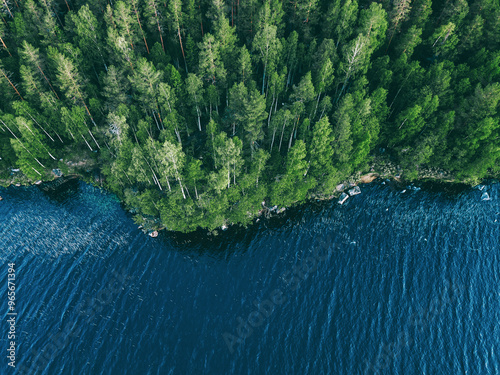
x,y
60,190
223,244
218,245
451,190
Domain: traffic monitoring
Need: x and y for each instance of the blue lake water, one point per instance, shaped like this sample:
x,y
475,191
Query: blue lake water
x,y
391,282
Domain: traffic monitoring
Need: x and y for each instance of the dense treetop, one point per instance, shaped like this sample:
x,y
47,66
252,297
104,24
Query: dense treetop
x,y
196,111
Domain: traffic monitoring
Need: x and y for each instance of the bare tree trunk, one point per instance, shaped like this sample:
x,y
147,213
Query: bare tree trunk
x,y
14,87
270,111
21,143
272,142
315,109
282,132
182,189
86,142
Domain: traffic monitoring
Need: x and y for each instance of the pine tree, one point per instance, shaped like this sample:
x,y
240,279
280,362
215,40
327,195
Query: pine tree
x,y
400,11
211,66
156,22
294,185
321,155
135,9
254,115
176,19
32,57
144,82
70,80
340,20
342,133
304,92
89,33
125,24
245,65
115,88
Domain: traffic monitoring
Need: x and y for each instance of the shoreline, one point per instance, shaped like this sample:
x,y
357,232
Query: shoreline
x,y
377,171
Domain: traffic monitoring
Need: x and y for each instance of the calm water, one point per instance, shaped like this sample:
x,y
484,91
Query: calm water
x,y
392,282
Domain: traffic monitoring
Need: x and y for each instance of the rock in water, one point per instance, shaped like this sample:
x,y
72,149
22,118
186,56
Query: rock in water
x,y
343,198
485,197
355,191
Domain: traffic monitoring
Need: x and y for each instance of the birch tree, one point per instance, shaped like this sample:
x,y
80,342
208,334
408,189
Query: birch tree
x,y
356,58
194,87
228,151
172,160
32,153
324,79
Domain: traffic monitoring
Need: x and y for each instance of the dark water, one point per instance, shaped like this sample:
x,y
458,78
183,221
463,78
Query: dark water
x,y
392,282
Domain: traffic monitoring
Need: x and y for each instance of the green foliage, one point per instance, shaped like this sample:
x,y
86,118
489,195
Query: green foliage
x,y
294,184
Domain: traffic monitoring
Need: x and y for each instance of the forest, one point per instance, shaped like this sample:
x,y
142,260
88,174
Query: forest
x,y
197,111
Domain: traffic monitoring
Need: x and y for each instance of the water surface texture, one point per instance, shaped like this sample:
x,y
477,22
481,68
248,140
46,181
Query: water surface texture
x,y
393,282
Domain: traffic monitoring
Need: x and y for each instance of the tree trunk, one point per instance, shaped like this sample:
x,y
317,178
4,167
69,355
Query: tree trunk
x,y
14,87
182,49
316,109
282,132
86,142
264,78
8,9
92,135
270,111
1,40
272,142
140,26
182,189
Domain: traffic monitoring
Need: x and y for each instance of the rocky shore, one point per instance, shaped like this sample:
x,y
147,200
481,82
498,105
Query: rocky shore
x,y
379,169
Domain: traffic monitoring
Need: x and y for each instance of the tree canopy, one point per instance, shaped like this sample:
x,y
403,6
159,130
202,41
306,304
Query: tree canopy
x,y
195,113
